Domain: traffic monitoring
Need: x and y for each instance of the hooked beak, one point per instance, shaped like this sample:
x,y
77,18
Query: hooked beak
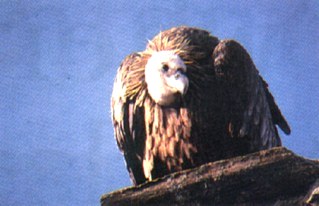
x,y
178,82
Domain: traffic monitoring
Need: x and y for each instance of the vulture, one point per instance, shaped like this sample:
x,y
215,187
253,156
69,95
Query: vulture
x,y
189,99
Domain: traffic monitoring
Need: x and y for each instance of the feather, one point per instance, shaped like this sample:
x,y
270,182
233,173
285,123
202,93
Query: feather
x,y
227,110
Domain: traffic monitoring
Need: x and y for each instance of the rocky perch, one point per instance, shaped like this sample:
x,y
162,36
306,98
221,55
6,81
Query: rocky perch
x,y
269,177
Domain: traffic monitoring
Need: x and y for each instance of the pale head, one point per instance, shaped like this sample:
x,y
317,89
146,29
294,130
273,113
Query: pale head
x,y
165,76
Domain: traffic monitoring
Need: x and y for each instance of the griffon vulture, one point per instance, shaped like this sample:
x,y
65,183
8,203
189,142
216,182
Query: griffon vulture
x,y
188,99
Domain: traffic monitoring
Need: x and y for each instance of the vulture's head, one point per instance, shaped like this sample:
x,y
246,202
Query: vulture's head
x,y
165,76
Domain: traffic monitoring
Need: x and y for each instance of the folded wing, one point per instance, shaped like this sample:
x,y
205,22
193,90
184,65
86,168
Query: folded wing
x,y
249,107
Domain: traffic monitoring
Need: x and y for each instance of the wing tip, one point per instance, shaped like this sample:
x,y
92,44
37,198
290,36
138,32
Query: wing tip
x,y
284,127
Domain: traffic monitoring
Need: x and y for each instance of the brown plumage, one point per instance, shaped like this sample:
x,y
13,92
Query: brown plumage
x,y
188,99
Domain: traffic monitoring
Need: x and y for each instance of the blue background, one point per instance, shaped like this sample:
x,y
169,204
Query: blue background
x,y
58,60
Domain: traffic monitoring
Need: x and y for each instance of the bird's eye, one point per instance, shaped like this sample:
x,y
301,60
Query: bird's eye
x,y
165,67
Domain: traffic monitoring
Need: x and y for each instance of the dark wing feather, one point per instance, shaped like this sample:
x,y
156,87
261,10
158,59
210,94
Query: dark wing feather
x,y
250,109
278,118
128,115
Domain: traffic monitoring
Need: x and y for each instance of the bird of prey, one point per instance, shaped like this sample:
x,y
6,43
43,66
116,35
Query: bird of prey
x,y
188,99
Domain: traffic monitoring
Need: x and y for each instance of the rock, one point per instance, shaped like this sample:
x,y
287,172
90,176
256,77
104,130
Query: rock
x,y
270,177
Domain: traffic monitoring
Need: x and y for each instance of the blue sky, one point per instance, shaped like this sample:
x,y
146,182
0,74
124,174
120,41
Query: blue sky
x,y
58,60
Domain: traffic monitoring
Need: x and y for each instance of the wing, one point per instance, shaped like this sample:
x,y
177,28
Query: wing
x,y
250,109
128,115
